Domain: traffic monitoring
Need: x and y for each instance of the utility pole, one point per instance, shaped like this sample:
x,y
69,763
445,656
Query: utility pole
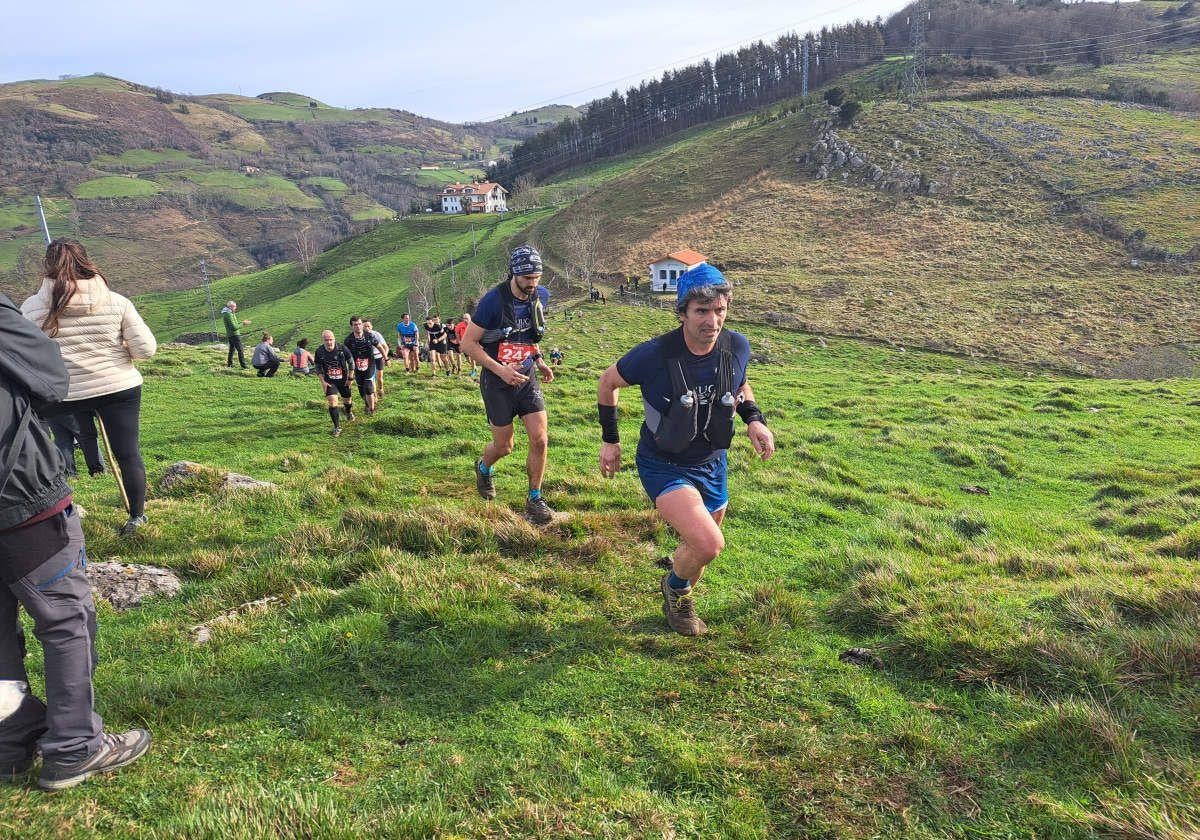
x,y
42,216
212,312
913,88
804,72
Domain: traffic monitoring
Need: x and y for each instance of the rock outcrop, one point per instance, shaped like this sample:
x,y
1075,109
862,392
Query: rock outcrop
x,y
126,585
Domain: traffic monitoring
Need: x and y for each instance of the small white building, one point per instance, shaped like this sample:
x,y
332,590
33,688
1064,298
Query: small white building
x,y
665,271
481,197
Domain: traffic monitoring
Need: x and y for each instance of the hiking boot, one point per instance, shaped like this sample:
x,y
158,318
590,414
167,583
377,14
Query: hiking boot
x,y
538,511
680,610
115,750
484,483
131,526
337,431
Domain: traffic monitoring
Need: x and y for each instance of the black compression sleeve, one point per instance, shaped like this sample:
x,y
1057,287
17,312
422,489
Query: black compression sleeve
x,y
609,432
749,412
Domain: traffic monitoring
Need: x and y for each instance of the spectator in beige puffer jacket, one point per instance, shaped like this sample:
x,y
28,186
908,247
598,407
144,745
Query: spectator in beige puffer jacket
x,y
99,333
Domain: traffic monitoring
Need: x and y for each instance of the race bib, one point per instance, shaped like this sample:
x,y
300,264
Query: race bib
x,y
334,373
512,353
410,342
362,364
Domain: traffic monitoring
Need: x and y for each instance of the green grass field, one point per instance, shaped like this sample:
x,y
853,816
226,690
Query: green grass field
x,y
145,159
435,667
116,186
368,275
436,178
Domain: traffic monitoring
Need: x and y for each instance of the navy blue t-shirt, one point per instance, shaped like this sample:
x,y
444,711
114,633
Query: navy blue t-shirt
x,y
646,365
489,314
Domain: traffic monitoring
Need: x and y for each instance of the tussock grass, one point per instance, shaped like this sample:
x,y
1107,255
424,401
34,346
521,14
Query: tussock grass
x,y
438,667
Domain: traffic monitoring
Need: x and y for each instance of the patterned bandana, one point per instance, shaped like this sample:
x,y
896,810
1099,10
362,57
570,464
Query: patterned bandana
x,y
525,260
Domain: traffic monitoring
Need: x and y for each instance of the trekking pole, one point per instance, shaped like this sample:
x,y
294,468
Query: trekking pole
x,y
116,469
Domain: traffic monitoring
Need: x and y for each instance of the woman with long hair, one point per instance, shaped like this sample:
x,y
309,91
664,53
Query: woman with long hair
x,y
100,334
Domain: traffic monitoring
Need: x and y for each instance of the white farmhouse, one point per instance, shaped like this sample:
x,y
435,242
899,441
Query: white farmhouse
x,y
665,271
480,197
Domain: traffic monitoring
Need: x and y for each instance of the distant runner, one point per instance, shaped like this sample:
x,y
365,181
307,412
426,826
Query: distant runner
x,y
363,348
453,347
334,363
409,342
509,322
460,329
693,379
435,330
381,357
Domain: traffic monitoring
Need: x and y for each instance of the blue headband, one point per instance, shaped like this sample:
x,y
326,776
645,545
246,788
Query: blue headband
x,y
697,277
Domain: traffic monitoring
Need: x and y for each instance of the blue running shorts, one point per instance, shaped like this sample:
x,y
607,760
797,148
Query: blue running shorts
x,y
709,479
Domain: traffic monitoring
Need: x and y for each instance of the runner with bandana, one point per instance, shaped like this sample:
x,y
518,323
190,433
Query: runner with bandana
x,y
693,381
502,337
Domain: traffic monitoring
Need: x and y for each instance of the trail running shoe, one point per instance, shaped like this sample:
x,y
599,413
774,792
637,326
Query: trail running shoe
x,y
665,562
337,431
538,511
131,526
115,750
484,483
349,416
680,610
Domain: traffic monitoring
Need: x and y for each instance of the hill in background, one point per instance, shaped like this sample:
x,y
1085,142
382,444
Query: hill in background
x,y
153,182
1031,219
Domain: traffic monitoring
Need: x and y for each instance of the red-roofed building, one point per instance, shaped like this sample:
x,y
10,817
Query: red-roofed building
x,y
665,271
480,197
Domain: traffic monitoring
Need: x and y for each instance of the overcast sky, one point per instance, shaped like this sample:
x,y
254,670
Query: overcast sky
x,y
454,61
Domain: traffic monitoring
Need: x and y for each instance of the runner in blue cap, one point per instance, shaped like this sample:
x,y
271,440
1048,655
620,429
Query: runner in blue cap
x,y
693,381
503,338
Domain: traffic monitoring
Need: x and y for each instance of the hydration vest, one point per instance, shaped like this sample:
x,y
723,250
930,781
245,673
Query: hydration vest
x,y
680,422
491,338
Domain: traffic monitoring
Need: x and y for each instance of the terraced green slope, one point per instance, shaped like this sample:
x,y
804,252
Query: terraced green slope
x,y
368,275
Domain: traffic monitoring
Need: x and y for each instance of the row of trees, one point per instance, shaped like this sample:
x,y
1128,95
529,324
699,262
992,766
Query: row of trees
x,y
1003,34
734,83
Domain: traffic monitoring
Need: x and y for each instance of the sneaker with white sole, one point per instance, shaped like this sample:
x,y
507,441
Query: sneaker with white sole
x,y
115,750
131,526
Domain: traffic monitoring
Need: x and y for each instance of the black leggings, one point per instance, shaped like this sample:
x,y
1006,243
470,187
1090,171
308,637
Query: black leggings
x,y
118,415
72,429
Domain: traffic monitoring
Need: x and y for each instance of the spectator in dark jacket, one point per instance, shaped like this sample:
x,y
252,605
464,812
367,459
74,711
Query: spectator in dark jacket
x,y
42,561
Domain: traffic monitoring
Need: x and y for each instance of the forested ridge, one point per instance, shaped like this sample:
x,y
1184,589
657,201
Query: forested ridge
x,y
972,36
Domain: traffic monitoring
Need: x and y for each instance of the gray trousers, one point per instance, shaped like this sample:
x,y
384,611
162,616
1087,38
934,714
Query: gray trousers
x,y
58,597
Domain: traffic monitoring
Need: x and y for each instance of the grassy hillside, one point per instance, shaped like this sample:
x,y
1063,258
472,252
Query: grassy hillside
x,y
437,667
1042,240
368,275
244,173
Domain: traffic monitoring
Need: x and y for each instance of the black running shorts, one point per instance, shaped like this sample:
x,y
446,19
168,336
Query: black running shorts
x,y
342,387
502,402
365,380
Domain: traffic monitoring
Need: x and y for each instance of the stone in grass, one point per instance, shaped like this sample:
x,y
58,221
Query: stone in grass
x,y
185,472
202,633
861,658
126,585
976,490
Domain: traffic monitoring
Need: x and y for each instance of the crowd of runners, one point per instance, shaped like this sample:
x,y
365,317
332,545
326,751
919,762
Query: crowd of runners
x,y
693,383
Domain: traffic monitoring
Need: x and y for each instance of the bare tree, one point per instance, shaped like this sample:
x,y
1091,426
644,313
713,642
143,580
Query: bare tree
x,y
478,282
583,247
525,192
421,292
306,247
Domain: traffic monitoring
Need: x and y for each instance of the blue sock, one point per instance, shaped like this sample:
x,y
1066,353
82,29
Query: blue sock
x,y
535,493
677,583
484,468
